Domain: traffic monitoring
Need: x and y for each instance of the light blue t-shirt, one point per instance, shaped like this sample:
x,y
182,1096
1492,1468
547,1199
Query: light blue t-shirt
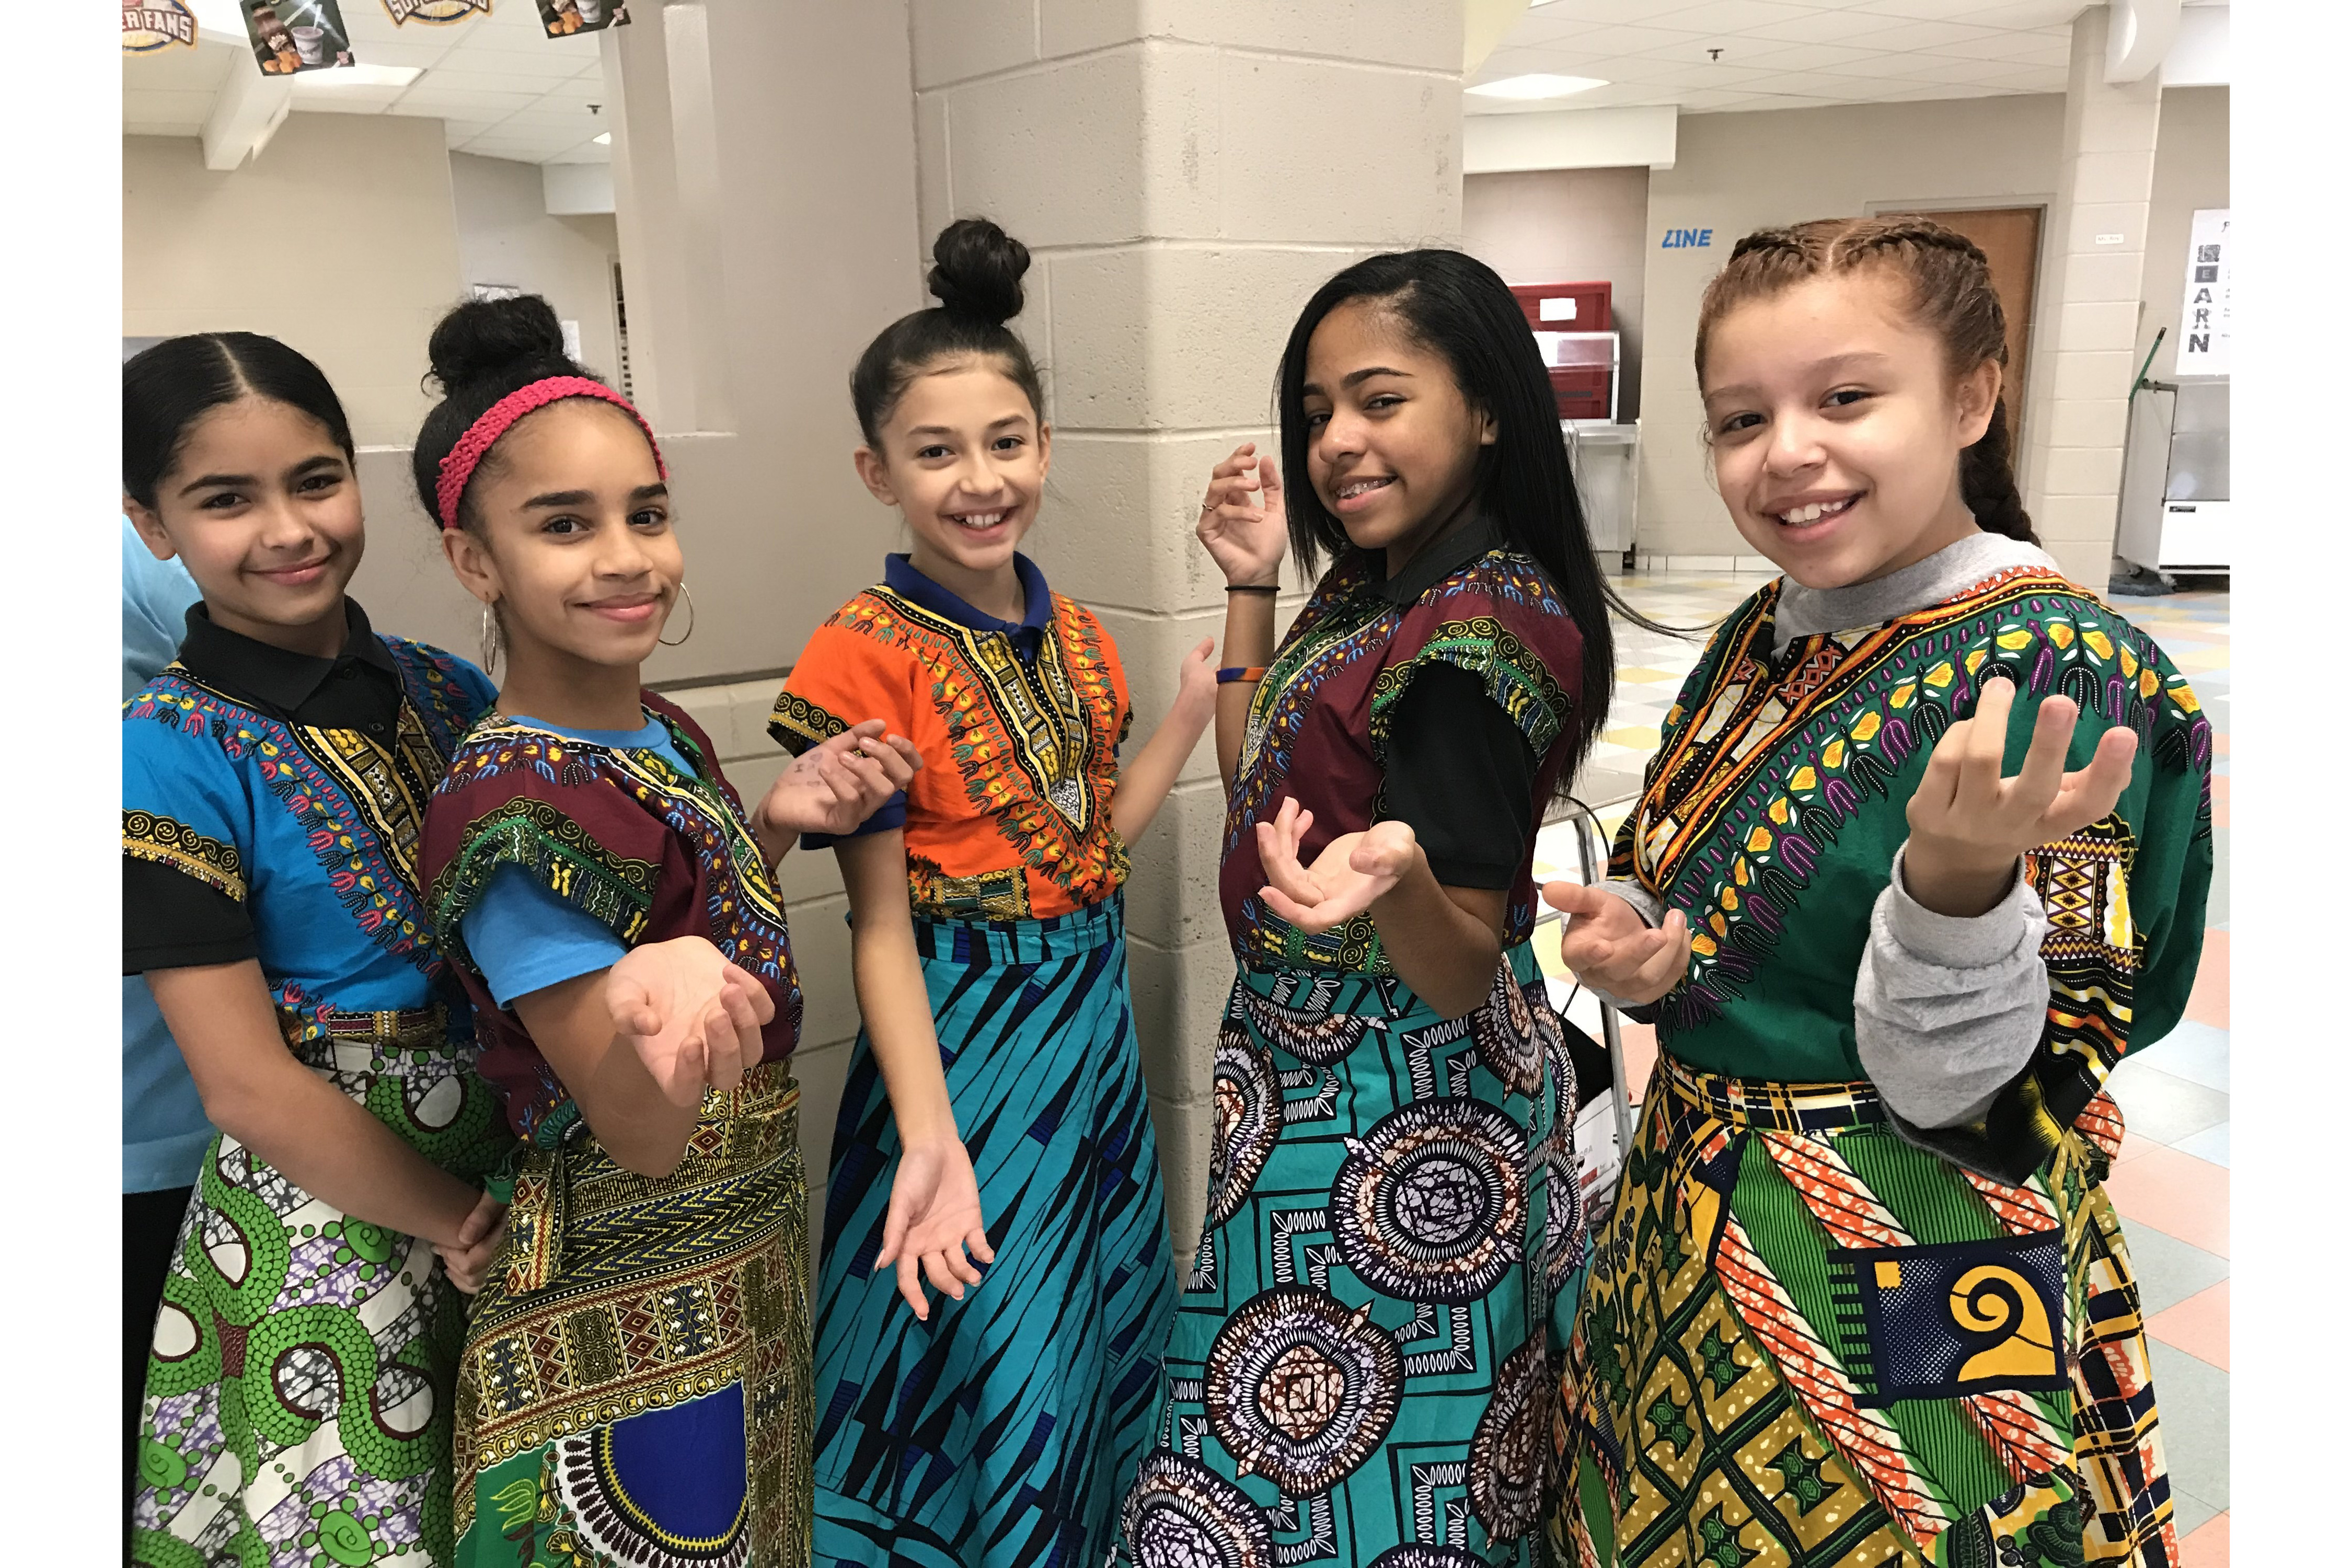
x,y
163,1126
522,936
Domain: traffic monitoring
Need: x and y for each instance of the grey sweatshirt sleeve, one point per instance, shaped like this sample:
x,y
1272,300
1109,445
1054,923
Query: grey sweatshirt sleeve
x,y
1947,1011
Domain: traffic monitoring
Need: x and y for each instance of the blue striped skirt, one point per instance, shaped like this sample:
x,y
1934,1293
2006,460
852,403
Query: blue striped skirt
x,y
1005,1429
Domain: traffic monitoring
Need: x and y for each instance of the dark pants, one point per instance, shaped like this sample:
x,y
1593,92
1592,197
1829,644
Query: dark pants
x,y
151,1224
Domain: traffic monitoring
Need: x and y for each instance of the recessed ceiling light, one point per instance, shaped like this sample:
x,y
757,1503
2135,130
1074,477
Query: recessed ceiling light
x,y
1539,85
603,141
360,76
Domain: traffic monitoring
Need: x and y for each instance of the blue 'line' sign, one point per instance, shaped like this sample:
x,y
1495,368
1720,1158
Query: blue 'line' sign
x,y
1687,238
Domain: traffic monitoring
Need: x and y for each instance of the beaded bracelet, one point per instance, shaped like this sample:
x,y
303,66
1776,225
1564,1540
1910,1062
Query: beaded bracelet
x,y
1233,672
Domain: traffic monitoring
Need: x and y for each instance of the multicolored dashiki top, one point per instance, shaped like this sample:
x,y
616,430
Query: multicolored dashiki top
x,y
1319,726
623,837
1018,827
1777,798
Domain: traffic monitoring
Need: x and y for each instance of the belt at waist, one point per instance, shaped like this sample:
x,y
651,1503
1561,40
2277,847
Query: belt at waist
x,y
1022,942
369,1042
1743,1102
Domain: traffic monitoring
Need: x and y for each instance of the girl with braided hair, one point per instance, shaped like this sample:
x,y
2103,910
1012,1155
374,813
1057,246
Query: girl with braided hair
x,y
1923,854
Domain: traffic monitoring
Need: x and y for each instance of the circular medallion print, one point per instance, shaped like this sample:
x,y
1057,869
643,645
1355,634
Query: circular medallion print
x,y
1316,1039
1300,1389
1432,1204
1414,1555
1181,1514
1505,1032
1249,1120
1506,1450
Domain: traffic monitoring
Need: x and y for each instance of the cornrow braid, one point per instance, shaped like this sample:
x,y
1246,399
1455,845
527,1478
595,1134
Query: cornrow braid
x,y
1951,295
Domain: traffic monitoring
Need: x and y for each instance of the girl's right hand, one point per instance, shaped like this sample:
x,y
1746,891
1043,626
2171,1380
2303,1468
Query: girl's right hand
x,y
478,1243
933,1221
693,1018
1245,537
1611,948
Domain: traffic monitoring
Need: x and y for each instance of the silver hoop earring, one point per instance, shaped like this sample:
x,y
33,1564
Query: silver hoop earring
x,y
489,639
685,594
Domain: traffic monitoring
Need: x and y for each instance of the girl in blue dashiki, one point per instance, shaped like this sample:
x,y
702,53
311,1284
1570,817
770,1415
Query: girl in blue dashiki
x,y
997,1072
274,781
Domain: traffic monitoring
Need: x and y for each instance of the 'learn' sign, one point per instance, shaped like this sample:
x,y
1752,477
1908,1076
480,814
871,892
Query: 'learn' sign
x,y
2205,298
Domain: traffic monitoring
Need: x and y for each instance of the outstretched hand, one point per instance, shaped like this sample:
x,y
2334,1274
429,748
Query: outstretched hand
x,y
1196,686
1969,824
1610,948
1245,538
692,1018
933,1221
837,785
1351,873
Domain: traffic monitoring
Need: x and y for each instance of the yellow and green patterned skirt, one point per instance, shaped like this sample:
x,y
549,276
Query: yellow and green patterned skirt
x,y
636,1384
1805,1341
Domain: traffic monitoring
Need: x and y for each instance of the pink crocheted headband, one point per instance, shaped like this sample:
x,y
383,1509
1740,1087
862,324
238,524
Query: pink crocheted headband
x,y
458,467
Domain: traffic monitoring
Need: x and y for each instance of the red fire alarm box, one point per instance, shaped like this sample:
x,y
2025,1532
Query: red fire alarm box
x,y
1564,307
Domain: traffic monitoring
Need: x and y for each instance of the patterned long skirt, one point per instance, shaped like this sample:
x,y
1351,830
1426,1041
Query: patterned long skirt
x,y
634,1392
297,1404
1805,1341
1361,1366
1004,1430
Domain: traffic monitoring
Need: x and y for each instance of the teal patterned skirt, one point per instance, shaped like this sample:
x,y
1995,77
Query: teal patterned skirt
x,y
1363,1355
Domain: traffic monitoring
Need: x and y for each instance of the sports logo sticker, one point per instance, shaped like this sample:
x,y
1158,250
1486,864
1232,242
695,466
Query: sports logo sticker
x,y
152,25
437,11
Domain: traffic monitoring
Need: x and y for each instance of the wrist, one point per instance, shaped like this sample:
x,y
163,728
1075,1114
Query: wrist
x,y
1959,880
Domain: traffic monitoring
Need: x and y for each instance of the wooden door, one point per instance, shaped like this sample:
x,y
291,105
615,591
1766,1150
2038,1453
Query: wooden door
x,y
2011,238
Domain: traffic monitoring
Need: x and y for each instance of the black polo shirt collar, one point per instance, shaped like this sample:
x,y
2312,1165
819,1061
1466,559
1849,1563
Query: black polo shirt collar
x,y
1441,559
285,682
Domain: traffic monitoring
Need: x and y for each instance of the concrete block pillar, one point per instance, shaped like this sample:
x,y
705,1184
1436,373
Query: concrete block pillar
x,y
2074,466
1184,175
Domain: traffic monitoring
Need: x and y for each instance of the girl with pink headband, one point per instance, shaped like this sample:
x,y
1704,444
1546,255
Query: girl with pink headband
x,y
634,1385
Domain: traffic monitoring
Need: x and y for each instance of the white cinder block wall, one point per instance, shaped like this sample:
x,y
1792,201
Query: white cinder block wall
x,y
1185,174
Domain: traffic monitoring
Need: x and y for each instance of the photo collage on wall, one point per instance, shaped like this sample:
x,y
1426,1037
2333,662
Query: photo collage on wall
x,y
565,17
293,36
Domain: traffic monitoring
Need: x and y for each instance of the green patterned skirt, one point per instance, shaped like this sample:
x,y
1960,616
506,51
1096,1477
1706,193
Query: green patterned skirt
x,y
635,1390
1805,1341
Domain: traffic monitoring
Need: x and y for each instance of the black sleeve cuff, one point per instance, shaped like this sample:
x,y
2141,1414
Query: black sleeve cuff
x,y
173,921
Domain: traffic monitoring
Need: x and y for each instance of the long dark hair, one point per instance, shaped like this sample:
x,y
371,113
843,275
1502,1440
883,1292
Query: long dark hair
x,y
1951,295
170,387
1460,309
976,277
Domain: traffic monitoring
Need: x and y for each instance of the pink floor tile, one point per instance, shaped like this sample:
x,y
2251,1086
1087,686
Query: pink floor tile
x,y
2183,1196
2209,1545
2201,1325
2209,1002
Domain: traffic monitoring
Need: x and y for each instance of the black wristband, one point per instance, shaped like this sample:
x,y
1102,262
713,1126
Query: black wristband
x,y
1266,588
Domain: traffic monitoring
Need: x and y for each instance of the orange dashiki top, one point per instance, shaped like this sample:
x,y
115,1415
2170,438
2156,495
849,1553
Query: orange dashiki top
x,y
1019,725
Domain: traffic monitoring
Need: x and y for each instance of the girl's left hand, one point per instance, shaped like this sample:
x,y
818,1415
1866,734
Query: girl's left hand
x,y
1196,684
479,1241
833,787
933,1221
1350,875
1970,825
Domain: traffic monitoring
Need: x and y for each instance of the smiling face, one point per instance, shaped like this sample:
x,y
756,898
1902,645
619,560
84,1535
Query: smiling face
x,y
575,544
1837,427
262,508
964,458
1392,446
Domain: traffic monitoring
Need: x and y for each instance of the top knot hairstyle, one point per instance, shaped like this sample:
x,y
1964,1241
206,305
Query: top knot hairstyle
x,y
1951,295
483,353
1461,310
976,277
167,388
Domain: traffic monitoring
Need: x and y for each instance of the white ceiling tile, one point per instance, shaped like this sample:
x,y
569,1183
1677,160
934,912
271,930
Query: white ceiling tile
x,y
1725,17
1591,10
2028,13
354,100
1768,101
426,50
2036,49
1800,56
1927,36
200,69
1825,26
423,99
1947,69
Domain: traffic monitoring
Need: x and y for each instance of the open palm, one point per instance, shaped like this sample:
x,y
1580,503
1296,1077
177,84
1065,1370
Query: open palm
x,y
933,1222
1350,874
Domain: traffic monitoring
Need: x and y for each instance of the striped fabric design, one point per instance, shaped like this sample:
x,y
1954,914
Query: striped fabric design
x,y
1004,1430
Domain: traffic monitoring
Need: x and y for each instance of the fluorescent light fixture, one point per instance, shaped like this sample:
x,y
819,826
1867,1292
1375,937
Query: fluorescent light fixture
x,y
603,141
1539,85
360,76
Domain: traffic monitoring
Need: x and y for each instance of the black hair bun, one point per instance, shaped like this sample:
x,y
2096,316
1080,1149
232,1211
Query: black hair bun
x,y
490,340
978,271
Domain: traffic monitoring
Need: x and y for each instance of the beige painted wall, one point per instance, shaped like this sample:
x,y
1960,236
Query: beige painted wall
x,y
506,235
2192,170
1568,225
340,238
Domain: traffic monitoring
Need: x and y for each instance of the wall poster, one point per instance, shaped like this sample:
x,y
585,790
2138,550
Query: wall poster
x,y
152,25
2205,298
565,17
291,35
